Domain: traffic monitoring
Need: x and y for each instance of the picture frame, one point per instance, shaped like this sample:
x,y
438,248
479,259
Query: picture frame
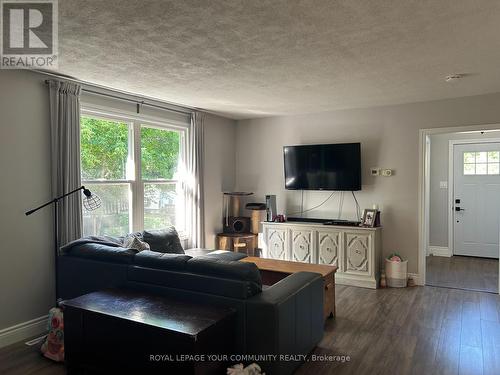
x,y
369,217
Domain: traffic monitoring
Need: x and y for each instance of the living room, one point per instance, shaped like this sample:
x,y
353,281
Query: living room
x,y
184,114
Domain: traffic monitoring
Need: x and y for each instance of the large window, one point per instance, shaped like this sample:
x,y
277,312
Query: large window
x,y
134,166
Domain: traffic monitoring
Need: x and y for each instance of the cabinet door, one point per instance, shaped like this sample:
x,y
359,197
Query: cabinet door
x,y
358,253
329,248
276,243
302,246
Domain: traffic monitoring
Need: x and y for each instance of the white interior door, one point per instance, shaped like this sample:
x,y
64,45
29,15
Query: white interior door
x,y
476,202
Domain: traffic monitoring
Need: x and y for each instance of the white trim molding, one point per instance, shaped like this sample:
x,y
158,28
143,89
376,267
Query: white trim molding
x,y
23,331
439,251
423,186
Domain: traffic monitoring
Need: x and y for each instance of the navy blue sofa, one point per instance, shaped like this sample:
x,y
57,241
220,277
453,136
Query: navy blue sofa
x,y
283,319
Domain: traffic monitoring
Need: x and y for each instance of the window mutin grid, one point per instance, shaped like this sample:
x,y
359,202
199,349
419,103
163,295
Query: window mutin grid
x,y
481,163
169,186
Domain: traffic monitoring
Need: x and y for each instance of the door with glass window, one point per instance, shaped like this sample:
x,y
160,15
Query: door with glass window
x,y
476,199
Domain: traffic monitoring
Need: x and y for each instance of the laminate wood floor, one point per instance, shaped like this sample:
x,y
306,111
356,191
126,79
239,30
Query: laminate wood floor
x,y
463,272
20,359
420,330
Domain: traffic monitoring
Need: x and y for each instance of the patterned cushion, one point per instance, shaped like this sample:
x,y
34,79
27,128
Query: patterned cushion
x,y
132,242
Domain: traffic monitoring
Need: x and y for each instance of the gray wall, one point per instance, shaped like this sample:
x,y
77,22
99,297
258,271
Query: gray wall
x,y
26,266
439,205
390,139
220,167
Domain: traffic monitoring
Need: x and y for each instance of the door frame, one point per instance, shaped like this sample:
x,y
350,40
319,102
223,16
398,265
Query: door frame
x,y
424,187
451,182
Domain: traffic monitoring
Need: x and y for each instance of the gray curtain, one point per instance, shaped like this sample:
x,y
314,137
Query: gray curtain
x,y
65,158
194,184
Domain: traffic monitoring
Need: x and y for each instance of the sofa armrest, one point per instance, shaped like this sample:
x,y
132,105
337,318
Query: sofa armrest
x,y
101,252
286,319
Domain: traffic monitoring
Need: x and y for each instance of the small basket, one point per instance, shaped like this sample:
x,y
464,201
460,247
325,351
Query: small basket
x,y
396,273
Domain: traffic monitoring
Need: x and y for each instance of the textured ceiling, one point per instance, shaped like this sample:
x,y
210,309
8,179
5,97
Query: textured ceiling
x,y
257,58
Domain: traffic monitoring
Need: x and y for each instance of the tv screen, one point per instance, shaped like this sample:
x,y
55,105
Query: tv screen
x,y
323,167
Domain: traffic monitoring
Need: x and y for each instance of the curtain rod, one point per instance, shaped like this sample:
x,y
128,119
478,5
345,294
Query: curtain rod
x,y
136,101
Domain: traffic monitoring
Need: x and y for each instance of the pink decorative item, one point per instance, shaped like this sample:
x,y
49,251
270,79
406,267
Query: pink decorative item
x,y
280,218
395,257
53,347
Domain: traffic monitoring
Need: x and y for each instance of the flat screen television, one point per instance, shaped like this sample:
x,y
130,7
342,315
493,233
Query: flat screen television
x,y
323,167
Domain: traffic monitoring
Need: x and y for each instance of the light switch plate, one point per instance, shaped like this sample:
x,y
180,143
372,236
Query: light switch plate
x,y
443,184
375,171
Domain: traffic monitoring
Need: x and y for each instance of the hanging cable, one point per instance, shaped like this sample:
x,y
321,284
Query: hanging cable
x,y
313,208
358,208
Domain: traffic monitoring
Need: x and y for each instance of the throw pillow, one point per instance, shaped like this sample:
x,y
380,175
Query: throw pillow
x,y
132,242
163,240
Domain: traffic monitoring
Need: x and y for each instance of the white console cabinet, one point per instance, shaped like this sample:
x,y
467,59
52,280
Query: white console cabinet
x,y
354,250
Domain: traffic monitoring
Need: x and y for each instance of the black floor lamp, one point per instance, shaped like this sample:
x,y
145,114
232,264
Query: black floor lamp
x,y
90,202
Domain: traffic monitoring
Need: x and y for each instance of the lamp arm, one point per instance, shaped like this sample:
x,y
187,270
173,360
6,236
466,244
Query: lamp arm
x,y
55,200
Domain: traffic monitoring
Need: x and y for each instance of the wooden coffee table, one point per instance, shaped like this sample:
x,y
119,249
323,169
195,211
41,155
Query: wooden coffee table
x,y
273,270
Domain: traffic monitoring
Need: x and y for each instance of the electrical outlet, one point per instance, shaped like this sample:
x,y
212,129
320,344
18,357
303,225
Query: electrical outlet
x,y
386,172
375,171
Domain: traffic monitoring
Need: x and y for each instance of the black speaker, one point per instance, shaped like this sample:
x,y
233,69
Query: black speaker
x,y
237,224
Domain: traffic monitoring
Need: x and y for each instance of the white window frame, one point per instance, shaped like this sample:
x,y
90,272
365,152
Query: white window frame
x,y
134,179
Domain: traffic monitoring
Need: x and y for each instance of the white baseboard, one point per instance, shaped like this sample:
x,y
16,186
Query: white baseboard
x,y
439,251
352,280
23,331
341,279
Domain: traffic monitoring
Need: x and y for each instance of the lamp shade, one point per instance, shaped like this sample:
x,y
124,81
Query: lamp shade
x,y
91,201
